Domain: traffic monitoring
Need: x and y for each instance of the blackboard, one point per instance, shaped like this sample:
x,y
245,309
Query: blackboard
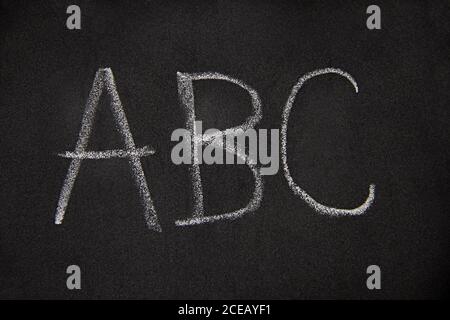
x,y
393,133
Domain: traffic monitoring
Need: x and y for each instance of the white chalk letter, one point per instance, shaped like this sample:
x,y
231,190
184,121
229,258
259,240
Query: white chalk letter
x,y
104,79
186,94
320,208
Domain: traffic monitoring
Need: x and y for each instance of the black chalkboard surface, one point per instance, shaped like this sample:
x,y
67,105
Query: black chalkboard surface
x,y
393,133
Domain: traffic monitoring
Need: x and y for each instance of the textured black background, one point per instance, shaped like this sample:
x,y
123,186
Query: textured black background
x,y
394,133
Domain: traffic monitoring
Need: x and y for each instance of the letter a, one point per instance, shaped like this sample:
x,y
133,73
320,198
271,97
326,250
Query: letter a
x,y
74,20
374,280
374,20
104,79
74,280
